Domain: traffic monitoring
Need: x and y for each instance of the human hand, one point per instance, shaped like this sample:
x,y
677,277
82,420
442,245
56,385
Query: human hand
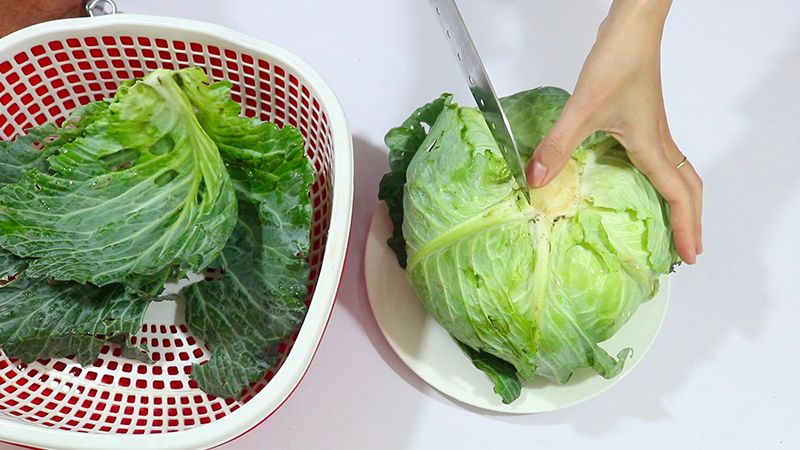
x,y
18,14
619,91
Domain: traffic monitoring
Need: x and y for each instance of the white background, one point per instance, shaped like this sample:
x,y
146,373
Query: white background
x,y
724,373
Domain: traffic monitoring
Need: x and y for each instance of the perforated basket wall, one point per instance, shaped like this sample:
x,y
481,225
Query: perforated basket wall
x,y
48,71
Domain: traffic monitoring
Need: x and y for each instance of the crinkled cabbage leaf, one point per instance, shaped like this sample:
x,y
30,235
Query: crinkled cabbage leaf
x,y
41,318
142,189
258,303
46,319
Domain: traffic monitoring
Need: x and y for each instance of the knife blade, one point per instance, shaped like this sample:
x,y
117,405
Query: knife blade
x,y
481,87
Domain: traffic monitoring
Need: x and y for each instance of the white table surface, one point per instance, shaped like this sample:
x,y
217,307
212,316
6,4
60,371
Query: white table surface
x,y
724,371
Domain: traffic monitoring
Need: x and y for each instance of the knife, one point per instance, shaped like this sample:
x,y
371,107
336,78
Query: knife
x,y
481,87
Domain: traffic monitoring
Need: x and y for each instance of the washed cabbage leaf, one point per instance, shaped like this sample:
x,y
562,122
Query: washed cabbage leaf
x,y
30,151
32,311
141,190
43,319
244,316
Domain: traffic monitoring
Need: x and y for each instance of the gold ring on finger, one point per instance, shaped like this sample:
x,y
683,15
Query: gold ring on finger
x,y
682,163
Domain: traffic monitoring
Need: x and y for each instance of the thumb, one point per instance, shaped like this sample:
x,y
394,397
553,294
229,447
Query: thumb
x,y
557,146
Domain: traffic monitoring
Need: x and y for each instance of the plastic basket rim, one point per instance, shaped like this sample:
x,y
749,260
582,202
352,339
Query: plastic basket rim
x,y
266,402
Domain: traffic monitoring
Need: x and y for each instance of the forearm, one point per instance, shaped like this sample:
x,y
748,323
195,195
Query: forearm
x,y
649,10
16,14
641,17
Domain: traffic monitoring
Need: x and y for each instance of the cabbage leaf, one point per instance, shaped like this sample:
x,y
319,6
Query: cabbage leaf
x,y
141,190
258,303
41,319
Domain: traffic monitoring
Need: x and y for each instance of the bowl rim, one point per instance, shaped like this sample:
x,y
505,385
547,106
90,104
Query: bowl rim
x,y
267,401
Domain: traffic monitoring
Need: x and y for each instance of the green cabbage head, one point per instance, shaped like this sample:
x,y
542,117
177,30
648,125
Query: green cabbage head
x,y
526,289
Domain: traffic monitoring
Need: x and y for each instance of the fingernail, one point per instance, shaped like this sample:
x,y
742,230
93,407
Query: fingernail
x,y
539,173
692,259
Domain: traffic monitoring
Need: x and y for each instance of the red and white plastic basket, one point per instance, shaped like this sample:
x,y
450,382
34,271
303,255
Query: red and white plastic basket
x,y
48,70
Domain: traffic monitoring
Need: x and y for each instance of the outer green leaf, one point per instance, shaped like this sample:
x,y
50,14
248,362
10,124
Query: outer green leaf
x,y
40,319
503,375
246,315
404,142
463,221
32,150
259,302
83,347
142,190
259,156
21,297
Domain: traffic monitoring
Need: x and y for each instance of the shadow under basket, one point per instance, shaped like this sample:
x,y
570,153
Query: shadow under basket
x,y
48,70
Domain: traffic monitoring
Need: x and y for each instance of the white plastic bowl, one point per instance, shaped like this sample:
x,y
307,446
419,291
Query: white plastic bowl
x,y
49,69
